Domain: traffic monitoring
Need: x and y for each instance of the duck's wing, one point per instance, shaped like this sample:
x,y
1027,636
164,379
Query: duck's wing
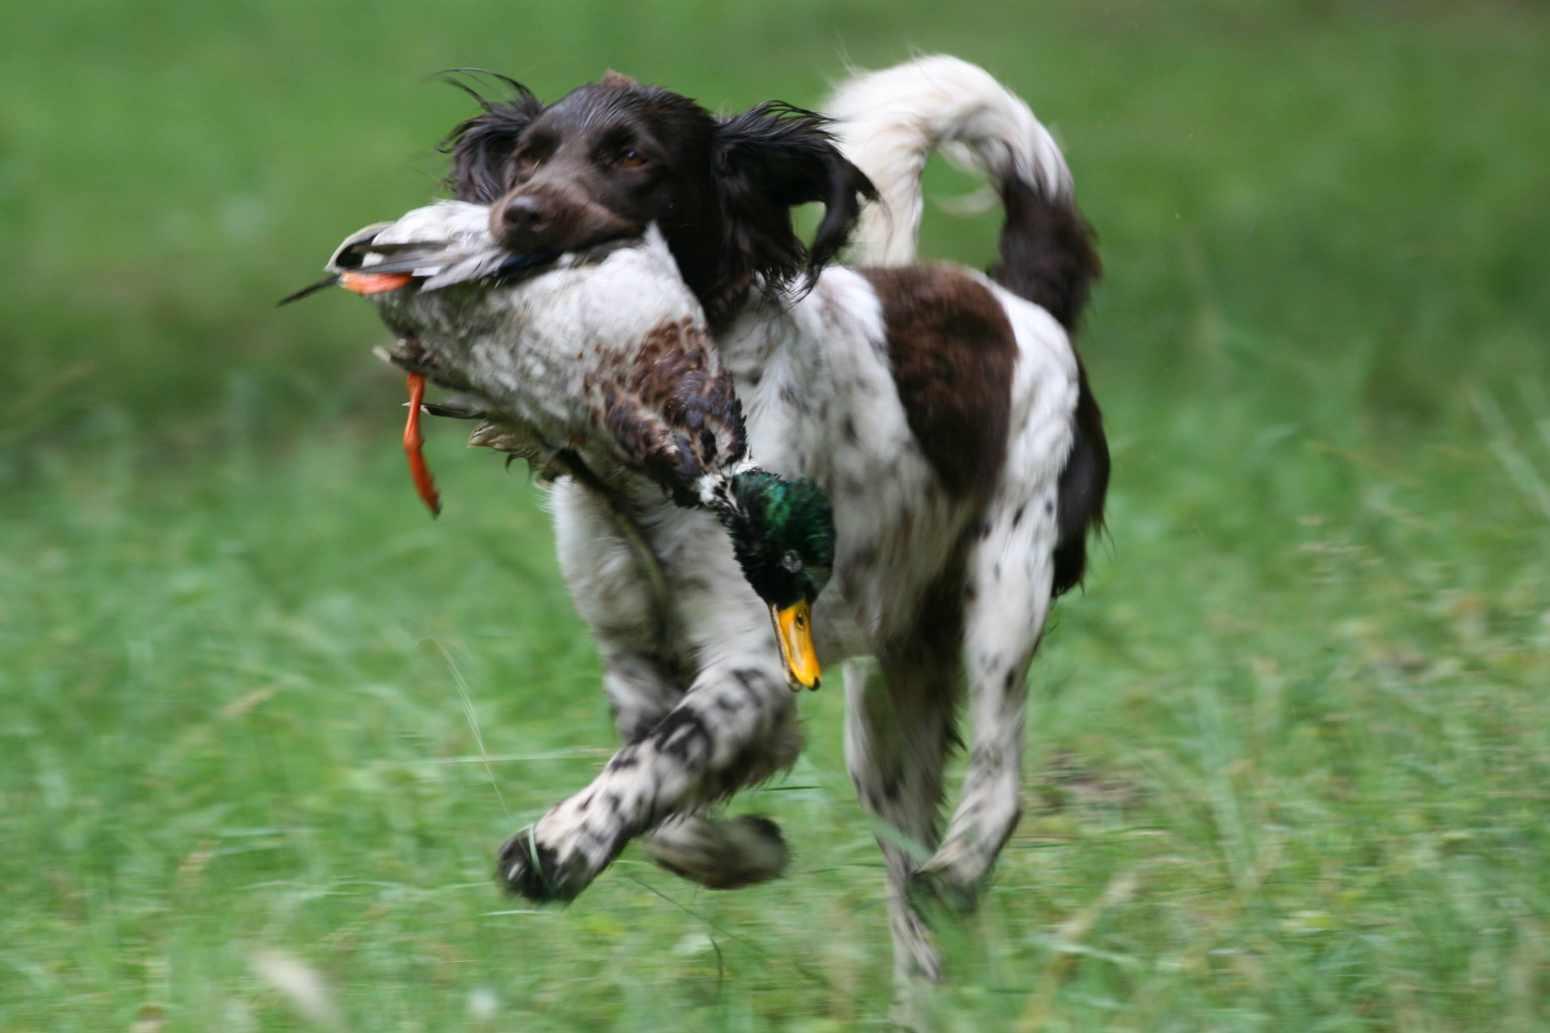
x,y
352,251
495,264
672,412
438,246
437,263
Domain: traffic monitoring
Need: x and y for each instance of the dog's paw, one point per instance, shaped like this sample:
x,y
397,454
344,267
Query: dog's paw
x,y
935,889
533,869
560,855
720,855
953,878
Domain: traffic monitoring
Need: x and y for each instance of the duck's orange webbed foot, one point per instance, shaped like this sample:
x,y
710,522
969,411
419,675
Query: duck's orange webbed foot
x,y
413,442
374,283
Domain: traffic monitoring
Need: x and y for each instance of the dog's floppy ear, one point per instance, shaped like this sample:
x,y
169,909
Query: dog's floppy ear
x,y
770,159
481,145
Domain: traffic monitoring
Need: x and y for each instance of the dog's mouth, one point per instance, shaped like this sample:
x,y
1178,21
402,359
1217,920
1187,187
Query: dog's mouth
x,y
606,244
571,256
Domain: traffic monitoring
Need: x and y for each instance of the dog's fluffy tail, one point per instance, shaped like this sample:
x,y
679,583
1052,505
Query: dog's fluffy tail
x,y
888,123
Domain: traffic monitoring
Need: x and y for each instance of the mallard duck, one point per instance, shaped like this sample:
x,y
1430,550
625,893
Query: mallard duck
x,y
595,364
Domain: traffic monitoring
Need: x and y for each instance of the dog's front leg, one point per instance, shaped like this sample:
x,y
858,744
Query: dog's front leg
x,y
736,725
720,853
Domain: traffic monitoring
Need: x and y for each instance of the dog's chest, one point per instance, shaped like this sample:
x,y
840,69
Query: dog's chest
x,y
821,402
649,576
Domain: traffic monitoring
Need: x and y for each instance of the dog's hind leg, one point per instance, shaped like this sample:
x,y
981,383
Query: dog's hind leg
x,y
719,853
735,726
1011,576
898,730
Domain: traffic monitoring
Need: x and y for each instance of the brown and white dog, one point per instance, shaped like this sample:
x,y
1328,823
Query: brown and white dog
x,y
945,412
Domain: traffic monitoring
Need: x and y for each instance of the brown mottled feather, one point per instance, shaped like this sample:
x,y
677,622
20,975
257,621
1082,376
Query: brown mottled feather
x,y
672,409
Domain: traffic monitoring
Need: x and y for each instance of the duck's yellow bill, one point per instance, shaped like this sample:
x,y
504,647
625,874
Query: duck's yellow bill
x,y
794,632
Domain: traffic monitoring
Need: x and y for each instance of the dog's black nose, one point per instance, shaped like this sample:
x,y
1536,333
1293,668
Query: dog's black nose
x,y
521,220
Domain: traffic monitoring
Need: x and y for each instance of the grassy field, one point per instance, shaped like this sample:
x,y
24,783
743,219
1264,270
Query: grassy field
x,y
1289,754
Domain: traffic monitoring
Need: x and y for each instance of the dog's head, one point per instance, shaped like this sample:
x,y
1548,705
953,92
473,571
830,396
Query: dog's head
x,y
610,157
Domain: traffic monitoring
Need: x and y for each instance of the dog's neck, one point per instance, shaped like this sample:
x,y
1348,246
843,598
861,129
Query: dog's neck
x,y
752,332
725,302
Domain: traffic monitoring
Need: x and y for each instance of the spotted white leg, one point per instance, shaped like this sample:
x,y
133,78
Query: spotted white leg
x,y
631,614
898,729
719,853
1011,574
641,688
715,852
735,725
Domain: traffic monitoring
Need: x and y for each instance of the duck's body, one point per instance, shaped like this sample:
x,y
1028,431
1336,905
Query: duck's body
x,y
599,365
603,354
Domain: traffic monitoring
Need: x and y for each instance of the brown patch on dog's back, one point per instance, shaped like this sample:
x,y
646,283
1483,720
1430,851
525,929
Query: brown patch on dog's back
x,y
952,350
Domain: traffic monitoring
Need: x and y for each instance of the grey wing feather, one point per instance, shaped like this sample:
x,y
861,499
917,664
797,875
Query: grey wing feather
x,y
349,252
439,264
471,266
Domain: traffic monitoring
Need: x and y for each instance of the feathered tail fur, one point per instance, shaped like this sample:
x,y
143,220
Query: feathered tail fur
x,y
888,123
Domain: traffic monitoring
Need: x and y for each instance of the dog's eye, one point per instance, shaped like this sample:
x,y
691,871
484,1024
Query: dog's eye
x,y
526,163
630,158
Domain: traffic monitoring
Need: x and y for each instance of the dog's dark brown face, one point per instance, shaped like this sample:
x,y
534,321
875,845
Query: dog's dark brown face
x,y
611,157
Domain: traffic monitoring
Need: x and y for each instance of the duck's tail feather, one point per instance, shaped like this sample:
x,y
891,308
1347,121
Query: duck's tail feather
x,y
309,290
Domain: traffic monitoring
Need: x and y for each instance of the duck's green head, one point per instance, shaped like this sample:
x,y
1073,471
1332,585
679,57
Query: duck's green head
x,y
783,534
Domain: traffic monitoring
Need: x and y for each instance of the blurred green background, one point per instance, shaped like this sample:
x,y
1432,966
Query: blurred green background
x,y
263,723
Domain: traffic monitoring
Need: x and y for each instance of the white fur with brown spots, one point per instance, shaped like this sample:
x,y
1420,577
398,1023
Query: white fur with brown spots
x,y
699,693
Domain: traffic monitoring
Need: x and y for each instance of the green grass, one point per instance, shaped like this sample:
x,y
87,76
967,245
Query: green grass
x,y
1289,756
